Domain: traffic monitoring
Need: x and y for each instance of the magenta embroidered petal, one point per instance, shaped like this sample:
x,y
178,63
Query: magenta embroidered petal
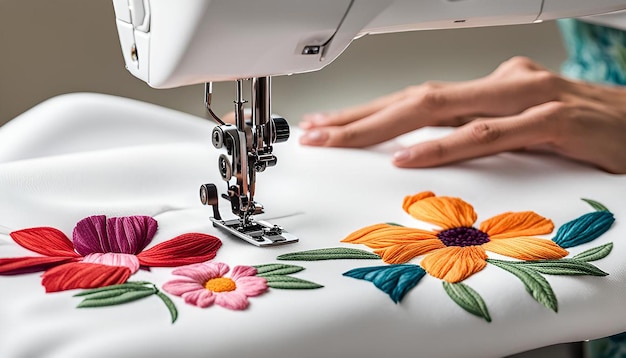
x,y
233,300
90,235
126,235
180,286
114,259
242,271
130,234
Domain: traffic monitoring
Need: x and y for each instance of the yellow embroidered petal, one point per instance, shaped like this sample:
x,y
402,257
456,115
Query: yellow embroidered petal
x,y
455,263
445,212
384,235
410,199
508,225
401,253
526,248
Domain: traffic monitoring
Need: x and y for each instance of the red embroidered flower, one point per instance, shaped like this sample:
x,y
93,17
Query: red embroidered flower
x,y
103,252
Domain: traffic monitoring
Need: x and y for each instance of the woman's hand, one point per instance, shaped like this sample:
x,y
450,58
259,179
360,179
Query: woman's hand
x,y
519,106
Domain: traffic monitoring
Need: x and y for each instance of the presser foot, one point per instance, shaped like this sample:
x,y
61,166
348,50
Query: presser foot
x,y
259,233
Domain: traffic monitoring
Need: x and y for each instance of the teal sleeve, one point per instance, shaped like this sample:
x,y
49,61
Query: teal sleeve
x,y
595,53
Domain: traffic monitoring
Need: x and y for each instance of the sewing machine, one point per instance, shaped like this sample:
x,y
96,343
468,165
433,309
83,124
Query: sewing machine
x,y
170,44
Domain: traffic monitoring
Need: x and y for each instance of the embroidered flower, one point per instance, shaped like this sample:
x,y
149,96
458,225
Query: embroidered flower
x,y
103,252
458,249
205,284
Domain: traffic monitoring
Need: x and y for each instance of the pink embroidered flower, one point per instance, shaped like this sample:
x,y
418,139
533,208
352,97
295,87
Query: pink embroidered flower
x,y
103,252
205,284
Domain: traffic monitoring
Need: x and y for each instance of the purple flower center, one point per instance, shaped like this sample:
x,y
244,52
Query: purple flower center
x,y
463,236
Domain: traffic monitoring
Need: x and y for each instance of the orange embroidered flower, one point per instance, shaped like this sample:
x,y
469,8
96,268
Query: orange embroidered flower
x,y
458,250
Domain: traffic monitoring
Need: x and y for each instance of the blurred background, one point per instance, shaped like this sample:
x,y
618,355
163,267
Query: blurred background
x,y
49,48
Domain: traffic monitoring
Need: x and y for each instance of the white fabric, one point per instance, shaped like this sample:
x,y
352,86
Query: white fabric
x,y
84,154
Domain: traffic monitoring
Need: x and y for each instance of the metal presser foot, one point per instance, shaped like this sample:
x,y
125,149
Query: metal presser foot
x,y
249,146
259,233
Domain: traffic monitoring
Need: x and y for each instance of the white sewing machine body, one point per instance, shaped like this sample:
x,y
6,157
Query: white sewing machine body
x,y
171,44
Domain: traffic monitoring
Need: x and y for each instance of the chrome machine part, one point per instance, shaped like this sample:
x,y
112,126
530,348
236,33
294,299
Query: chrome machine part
x,y
249,145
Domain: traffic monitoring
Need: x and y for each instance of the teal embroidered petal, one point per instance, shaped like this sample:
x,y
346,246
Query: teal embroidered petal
x,y
586,228
467,299
334,253
394,280
595,253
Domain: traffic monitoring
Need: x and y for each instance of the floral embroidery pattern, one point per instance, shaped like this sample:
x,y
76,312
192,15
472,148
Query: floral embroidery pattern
x,y
458,250
103,252
206,284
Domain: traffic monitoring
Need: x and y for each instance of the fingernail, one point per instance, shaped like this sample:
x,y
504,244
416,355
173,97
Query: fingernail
x,y
314,137
402,155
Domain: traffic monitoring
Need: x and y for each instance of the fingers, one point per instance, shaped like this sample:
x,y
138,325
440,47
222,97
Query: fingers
x,y
426,105
380,126
349,115
482,138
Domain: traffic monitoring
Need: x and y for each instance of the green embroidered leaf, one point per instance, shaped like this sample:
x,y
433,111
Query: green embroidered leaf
x,y
595,253
288,282
561,267
114,292
535,284
334,253
468,299
394,224
169,304
276,269
125,297
127,285
124,293
596,205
